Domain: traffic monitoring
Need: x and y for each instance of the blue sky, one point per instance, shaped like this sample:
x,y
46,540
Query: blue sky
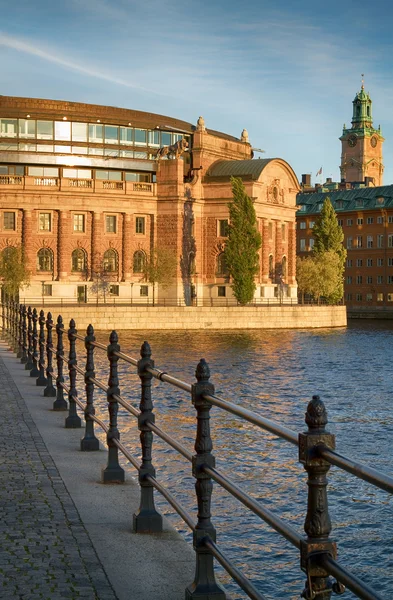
x,y
286,71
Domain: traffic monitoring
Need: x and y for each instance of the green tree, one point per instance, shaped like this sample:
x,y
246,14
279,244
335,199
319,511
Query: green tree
x,y
319,276
306,273
14,271
161,268
244,241
328,237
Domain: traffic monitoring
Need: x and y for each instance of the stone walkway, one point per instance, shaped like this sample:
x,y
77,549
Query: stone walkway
x,y
45,550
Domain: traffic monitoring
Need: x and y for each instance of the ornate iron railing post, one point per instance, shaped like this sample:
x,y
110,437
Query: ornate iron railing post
x,y
49,391
24,357
3,317
29,364
204,586
11,323
317,525
41,380
6,331
35,356
113,472
19,331
147,519
89,441
60,403
16,328
73,421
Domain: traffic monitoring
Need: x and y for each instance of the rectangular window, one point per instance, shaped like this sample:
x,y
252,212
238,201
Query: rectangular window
x,y
45,130
140,225
45,221
380,220
380,297
223,228
349,222
369,297
221,291
79,132
166,138
349,243
380,262
359,241
126,135
44,148
340,222
47,289
390,262
96,134
144,290
370,220
108,175
311,224
9,221
349,296
349,262
283,232
140,137
380,240
390,240
8,128
110,223
359,262
370,241
302,225
154,138
359,297
369,262
311,245
63,149
390,219
390,297
359,279
379,279
77,173
114,290
390,278
349,279
369,279
360,221
26,128
62,130
111,134
302,245
79,223
43,171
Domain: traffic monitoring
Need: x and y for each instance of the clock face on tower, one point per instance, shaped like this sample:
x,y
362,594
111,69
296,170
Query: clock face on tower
x,y
352,140
374,141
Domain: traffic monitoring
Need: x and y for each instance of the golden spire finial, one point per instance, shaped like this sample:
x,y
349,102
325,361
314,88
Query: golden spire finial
x,y
362,81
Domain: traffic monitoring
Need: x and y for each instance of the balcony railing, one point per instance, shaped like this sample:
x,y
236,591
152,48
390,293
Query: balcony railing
x,y
87,185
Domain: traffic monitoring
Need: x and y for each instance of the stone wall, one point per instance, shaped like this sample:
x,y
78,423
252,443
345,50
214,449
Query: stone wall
x,y
185,317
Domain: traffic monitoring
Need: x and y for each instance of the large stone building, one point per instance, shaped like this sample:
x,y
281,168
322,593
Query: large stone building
x,y
91,192
364,209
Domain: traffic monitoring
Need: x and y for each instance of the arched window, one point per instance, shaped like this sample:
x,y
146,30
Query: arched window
x,y
44,260
8,253
368,111
222,267
78,260
139,261
110,261
284,266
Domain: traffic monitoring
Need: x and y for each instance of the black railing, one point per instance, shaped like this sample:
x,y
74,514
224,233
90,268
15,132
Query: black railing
x,y
316,448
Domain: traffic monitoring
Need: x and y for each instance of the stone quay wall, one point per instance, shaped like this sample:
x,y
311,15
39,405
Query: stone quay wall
x,y
200,318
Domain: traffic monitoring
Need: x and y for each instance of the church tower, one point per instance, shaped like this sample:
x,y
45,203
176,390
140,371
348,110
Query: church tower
x,y
361,156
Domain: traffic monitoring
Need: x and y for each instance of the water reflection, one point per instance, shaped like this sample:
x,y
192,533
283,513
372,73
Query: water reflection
x,y
275,373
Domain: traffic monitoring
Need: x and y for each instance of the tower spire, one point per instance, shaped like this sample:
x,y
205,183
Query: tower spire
x,y
362,81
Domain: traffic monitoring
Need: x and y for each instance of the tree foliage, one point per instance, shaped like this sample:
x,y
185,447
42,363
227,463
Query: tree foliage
x,y
244,242
14,271
319,276
161,267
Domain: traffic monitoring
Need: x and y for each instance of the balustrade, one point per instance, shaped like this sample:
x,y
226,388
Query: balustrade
x,y
316,447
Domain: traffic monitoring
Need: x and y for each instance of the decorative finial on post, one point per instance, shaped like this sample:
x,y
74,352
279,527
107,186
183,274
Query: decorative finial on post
x,y
49,391
73,420
35,355
60,403
316,415
201,124
41,380
89,442
29,364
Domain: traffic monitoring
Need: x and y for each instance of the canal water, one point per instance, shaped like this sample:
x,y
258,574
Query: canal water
x,y
275,373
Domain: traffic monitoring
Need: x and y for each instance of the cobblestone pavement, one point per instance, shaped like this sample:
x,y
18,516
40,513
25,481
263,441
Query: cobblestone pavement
x,y
45,551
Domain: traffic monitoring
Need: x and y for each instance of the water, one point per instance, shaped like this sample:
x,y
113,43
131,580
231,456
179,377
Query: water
x,y
275,373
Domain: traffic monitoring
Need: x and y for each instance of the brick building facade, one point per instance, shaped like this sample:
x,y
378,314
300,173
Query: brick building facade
x,y
82,190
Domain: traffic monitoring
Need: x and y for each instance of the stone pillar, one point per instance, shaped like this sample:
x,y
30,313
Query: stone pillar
x,y
97,232
63,254
265,251
291,277
127,254
27,239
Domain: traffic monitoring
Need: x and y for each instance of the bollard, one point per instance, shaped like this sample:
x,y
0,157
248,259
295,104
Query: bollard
x,y
60,403
35,371
23,358
147,519
89,442
41,380
113,473
73,420
29,364
49,391
19,331
317,525
204,586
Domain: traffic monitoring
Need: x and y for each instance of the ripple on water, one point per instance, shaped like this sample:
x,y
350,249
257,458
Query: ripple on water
x,y
275,373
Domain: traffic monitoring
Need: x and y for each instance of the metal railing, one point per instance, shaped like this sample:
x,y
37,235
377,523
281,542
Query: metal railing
x,y
316,450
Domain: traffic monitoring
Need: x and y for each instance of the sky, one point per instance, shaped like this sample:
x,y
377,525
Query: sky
x,y
286,71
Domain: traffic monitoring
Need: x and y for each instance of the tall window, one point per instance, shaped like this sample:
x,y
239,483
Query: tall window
x,y
139,261
222,267
271,266
140,225
110,223
9,221
44,260
79,223
110,260
45,223
78,260
223,227
284,266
